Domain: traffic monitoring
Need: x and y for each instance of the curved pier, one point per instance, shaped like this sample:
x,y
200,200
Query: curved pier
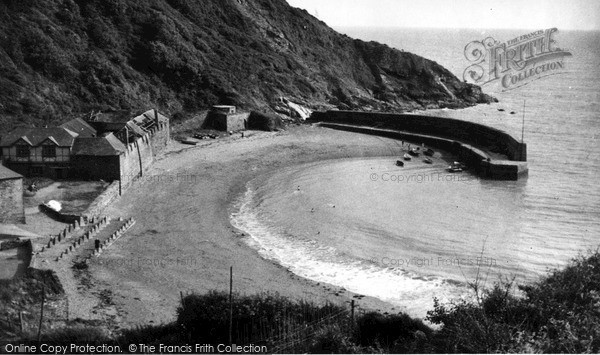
x,y
469,141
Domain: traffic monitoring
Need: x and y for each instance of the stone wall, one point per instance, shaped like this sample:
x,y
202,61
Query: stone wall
x,y
475,158
11,201
467,132
111,193
125,169
160,137
138,157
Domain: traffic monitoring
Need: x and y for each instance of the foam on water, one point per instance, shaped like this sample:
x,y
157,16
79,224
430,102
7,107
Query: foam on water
x,y
309,259
328,222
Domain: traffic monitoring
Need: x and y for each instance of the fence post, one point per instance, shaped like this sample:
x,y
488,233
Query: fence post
x,y
42,313
230,304
21,321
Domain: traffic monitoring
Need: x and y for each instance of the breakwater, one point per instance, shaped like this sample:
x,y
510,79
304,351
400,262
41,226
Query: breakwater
x,y
470,142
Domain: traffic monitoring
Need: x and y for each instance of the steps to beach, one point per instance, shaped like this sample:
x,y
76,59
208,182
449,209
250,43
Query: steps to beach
x,y
79,242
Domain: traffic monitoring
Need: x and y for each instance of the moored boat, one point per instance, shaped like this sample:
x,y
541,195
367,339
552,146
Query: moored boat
x,y
427,161
407,157
460,165
399,163
456,167
429,152
52,205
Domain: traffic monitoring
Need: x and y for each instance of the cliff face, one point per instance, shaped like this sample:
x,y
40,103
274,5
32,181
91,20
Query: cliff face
x,y
63,57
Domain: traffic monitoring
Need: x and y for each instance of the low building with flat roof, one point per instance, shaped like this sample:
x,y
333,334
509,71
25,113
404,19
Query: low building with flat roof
x,y
225,118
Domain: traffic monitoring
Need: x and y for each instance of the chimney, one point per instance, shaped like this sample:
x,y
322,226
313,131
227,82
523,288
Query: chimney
x,y
156,118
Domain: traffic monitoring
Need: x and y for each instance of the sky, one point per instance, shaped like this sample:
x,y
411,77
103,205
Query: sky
x,y
475,14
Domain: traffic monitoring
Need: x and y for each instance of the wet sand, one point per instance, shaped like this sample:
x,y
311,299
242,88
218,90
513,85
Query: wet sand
x,y
183,240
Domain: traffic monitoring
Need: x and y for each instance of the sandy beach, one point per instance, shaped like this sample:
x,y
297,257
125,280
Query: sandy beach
x,y
183,240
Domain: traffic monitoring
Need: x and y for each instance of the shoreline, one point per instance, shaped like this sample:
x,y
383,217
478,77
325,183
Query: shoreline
x,y
147,270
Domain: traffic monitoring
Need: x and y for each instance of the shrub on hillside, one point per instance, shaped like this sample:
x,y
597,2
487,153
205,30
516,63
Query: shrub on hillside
x,y
264,121
394,333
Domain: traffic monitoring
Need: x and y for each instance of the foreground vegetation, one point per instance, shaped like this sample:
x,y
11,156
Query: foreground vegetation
x,y
559,314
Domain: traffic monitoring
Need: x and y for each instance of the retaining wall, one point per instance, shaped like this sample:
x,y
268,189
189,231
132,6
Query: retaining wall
x,y
469,133
102,201
136,159
160,137
11,201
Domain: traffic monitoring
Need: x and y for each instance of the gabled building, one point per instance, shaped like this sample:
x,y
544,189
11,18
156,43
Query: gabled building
x,y
92,149
38,151
97,157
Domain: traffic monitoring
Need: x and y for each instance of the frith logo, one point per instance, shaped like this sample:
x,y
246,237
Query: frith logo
x,y
516,62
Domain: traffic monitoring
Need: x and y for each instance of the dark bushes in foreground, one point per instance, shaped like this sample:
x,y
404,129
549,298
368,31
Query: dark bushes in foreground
x,y
559,314
291,326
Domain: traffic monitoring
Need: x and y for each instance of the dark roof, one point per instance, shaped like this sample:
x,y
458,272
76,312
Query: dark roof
x,y
79,126
146,119
6,173
35,136
98,146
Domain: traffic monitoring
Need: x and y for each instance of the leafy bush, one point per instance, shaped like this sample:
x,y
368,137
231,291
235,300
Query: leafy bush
x,y
335,339
396,332
559,314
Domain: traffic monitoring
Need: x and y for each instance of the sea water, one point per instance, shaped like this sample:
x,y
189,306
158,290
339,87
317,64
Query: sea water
x,y
407,235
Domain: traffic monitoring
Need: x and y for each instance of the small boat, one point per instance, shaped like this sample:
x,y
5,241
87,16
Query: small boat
x,y
427,161
52,205
414,152
459,165
429,152
189,141
399,163
456,167
407,157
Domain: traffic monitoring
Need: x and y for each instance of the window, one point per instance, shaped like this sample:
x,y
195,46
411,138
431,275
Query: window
x,y
22,151
48,151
